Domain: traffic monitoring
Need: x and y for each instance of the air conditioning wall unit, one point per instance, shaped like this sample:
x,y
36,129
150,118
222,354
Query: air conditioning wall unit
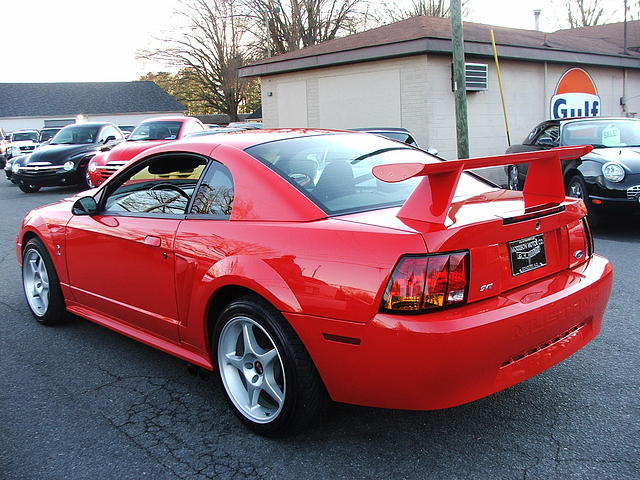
x,y
476,77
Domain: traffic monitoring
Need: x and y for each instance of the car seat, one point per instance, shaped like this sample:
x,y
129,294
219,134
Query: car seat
x,y
336,181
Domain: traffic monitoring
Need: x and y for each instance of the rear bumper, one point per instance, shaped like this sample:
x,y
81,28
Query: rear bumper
x,y
448,358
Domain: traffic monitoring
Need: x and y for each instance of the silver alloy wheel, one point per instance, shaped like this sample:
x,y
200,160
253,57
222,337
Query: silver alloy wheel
x,y
575,190
251,369
35,280
512,177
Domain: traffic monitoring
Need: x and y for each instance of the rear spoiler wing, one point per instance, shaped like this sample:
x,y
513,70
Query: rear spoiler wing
x,y
431,199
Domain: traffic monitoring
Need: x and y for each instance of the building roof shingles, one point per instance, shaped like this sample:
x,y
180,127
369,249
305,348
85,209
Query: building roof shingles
x,y
602,40
90,98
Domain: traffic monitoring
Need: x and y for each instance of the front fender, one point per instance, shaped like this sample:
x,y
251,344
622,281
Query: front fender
x,y
51,234
49,224
590,170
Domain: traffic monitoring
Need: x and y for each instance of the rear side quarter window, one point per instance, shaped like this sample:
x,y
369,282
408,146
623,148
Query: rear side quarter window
x,y
215,194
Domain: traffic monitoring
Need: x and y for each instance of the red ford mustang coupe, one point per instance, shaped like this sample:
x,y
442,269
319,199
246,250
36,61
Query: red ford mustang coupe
x,y
150,133
308,265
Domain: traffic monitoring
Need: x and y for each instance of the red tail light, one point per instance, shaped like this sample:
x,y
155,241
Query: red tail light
x,y
580,242
424,283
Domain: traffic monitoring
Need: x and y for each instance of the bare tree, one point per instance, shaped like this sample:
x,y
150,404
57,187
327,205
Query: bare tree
x,y
585,13
289,25
208,49
396,10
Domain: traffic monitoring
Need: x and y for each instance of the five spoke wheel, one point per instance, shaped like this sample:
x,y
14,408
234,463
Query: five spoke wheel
x,y
269,380
36,282
41,284
251,369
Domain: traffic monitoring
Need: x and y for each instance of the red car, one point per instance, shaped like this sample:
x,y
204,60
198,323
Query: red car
x,y
307,265
150,133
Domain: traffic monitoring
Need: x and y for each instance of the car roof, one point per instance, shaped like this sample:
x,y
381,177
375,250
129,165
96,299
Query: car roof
x,y
89,124
248,138
216,131
169,118
381,129
586,119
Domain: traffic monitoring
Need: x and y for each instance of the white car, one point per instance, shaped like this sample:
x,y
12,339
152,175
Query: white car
x,y
22,142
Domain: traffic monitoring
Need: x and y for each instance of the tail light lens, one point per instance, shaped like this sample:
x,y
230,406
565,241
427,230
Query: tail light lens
x,y
424,283
580,242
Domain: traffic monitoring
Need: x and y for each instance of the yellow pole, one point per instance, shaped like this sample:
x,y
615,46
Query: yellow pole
x,y
504,107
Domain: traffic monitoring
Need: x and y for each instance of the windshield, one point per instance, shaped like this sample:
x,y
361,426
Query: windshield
x,y
48,134
24,136
155,131
334,171
76,134
602,133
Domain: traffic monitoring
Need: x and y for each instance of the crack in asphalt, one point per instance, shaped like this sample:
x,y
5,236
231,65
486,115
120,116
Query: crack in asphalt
x,y
9,306
161,417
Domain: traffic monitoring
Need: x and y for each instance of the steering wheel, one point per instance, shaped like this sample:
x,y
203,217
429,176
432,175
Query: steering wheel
x,y
171,186
302,179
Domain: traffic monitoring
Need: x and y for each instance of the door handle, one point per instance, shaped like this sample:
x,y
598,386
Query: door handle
x,y
152,241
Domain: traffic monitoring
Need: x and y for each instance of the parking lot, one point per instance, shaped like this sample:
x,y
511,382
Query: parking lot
x,y
79,401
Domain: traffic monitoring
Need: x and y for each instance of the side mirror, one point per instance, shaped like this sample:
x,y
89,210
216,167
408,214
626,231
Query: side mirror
x,y
432,150
85,206
110,138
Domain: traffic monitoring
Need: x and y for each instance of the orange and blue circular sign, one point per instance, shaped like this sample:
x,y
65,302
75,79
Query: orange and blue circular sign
x,y
575,96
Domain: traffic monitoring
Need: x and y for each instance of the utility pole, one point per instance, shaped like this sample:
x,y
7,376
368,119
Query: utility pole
x,y
462,128
626,49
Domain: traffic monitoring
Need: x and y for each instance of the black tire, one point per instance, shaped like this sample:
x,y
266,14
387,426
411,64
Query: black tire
x,y
49,308
304,394
29,188
577,188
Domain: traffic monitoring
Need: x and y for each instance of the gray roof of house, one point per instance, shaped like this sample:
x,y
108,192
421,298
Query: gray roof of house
x,y
91,98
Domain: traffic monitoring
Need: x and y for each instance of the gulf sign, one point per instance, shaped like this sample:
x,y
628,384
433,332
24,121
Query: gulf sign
x,y
575,96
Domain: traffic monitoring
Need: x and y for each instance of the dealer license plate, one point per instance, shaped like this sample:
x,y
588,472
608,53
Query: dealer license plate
x,y
527,254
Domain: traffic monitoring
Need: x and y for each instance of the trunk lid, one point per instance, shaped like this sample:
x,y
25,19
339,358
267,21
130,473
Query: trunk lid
x,y
492,227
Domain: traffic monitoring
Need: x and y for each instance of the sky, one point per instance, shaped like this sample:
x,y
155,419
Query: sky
x,y
91,41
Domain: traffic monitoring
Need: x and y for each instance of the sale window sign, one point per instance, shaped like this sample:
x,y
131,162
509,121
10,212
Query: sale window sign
x,y
575,96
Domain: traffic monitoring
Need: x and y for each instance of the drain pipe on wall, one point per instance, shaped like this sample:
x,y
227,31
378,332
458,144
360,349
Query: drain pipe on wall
x,y
504,107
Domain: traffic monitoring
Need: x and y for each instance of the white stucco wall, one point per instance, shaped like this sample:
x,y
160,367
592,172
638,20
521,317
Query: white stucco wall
x,y
388,93
18,123
415,93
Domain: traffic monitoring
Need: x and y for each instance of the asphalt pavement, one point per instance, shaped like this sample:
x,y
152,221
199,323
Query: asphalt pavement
x,y
81,402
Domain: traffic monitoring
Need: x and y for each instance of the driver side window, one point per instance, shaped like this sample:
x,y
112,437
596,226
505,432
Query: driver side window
x,y
162,185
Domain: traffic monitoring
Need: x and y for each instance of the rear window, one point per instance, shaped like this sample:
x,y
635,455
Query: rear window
x,y
335,170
